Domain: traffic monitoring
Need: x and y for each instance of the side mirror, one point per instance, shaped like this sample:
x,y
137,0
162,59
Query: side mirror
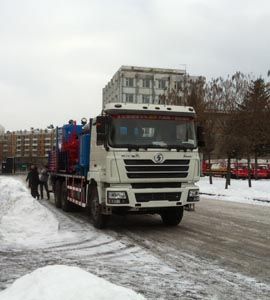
x,y
101,130
200,136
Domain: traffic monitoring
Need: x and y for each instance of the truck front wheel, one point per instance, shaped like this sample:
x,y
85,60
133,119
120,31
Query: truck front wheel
x,y
99,220
172,216
66,205
58,193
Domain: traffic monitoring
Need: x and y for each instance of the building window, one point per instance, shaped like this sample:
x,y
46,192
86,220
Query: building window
x,y
145,99
146,83
129,82
129,98
162,84
177,85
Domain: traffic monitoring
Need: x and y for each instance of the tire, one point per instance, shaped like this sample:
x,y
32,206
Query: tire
x,y
172,216
58,193
66,205
99,220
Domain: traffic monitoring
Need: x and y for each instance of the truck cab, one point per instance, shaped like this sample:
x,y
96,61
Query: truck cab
x,y
143,159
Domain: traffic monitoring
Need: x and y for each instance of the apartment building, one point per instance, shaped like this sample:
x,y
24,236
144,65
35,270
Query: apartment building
x,y
27,146
2,130
132,84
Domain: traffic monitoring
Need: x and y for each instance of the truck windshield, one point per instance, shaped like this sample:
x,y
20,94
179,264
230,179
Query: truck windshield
x,y
152,131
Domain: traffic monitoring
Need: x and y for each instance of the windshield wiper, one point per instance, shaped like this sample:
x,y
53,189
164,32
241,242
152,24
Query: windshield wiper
x,y
163,146
129,146
179,147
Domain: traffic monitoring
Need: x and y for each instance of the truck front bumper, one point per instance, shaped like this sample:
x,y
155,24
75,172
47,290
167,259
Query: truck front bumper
x,y
118,196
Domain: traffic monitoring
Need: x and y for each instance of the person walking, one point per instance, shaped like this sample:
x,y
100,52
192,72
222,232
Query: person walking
x,y
34,182
29,176
43,182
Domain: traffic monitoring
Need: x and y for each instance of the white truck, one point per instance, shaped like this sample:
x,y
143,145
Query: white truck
x,y
142,159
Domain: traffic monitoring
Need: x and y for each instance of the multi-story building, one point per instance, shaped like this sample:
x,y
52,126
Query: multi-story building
x,y
2,130
143,85
26,146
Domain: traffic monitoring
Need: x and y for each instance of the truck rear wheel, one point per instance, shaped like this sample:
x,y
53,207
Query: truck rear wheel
x,y
58,193
172,216
99,220
66,205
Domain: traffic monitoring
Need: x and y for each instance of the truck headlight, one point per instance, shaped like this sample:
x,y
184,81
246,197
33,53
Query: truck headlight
x,y
117,197
193,195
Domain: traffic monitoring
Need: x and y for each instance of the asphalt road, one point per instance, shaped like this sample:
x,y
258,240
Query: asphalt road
x,y
235,236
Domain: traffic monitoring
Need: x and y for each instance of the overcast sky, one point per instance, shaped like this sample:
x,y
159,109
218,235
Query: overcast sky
x,y
57,55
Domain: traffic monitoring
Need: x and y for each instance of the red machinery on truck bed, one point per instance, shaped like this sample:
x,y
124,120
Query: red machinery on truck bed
x,y
69,164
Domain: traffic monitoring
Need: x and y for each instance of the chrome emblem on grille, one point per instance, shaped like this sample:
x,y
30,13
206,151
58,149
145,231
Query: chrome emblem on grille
x,y
158,158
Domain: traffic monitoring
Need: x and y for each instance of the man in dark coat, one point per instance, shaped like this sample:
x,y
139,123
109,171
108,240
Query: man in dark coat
x,y
43,178
34,183
29,176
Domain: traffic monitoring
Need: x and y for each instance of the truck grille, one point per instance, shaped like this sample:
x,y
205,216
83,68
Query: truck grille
x,y
146,168
156,185
146,197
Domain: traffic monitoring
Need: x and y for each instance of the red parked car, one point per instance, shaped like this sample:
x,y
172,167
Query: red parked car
x,y
239,170
263,171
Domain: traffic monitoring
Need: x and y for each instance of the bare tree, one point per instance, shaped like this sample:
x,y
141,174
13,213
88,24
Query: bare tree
x,y
224,96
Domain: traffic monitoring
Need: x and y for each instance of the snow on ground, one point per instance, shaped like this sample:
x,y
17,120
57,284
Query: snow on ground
x,y
23,220
238,191
30,238
51,283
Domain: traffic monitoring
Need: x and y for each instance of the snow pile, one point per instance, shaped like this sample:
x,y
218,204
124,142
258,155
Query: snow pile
x,y
23,221
238,191
63,282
